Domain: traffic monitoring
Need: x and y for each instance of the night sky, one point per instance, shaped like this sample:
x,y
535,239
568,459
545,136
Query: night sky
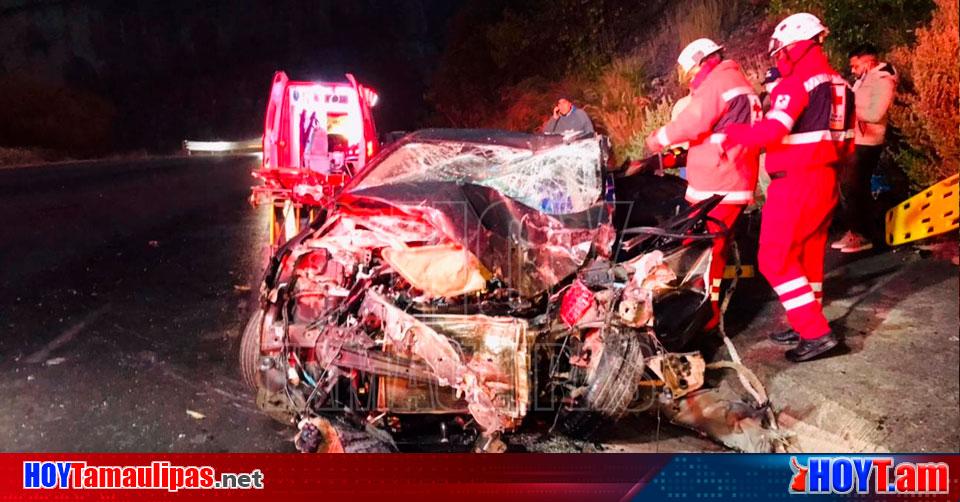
x,y
156,72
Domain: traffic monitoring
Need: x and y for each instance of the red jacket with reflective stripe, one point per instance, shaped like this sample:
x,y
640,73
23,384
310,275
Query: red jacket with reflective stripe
x,y
810,122
723,98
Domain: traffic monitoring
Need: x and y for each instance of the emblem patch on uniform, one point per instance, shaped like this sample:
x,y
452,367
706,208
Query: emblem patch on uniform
x,y
782,101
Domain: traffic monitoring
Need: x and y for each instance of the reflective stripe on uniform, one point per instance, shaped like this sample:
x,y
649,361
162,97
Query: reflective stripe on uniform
x,y
812,82
791,285
804,299
728,195
781,117
736,91
805,138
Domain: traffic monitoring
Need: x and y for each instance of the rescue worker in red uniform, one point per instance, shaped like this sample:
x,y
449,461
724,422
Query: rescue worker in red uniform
x,y
720,96
808,135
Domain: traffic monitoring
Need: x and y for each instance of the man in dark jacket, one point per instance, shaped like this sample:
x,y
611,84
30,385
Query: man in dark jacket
x,y
567,119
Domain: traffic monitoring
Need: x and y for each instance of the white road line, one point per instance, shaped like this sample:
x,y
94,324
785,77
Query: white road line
x,y
65,337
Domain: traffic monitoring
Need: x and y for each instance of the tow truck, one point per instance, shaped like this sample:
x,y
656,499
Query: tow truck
x,y
317,135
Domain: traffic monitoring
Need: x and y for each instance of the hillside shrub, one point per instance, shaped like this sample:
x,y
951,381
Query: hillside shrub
x,y
927,114
884,23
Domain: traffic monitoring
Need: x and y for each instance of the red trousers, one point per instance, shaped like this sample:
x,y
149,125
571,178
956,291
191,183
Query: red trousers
x,y
793,240
728,214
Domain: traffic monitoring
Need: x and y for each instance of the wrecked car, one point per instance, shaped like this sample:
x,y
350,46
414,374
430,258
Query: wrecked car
x,y
467,280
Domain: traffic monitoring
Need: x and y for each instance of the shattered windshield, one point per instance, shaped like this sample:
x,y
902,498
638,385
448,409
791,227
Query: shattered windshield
x,y
564,178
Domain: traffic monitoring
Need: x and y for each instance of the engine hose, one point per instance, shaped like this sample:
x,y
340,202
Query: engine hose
x,y
747,377
659,232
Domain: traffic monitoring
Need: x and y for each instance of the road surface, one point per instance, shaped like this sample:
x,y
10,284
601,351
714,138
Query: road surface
x,y
122,291
123,288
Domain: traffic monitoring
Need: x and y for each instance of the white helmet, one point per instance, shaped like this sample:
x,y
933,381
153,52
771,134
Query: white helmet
x,y
695,51
795,28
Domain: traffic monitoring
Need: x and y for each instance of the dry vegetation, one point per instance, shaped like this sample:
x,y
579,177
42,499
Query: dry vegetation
x,y
706,18
629,91
928,111
626,103
22,156
630,108
619,105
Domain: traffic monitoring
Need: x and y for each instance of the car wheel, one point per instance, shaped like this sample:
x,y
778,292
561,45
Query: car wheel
x,y
250,350
607,392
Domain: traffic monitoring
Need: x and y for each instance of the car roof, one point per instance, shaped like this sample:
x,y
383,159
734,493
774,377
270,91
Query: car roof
x,y
499,137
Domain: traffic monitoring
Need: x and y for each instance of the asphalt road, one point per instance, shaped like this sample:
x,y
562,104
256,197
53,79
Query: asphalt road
x,y
122,290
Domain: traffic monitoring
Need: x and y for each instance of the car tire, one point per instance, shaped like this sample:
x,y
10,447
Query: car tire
x,y
611,391
249,356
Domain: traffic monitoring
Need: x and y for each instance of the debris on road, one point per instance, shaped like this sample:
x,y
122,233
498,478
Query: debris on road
x,y
196,415
316,435
42,354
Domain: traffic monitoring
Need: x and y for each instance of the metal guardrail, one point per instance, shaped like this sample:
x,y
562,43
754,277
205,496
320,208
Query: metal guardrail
x,y
222,147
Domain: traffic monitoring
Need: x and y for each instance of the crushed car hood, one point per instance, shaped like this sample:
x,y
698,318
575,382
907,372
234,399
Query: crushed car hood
x,y
528,207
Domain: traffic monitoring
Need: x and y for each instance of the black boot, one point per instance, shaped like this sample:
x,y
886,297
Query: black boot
x,y
788,337
809,349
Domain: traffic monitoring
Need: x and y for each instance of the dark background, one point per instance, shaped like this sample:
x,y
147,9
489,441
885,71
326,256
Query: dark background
x,y
87,78
117,75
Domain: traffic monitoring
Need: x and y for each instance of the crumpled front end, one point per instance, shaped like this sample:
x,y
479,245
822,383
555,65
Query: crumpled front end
x,y
463,285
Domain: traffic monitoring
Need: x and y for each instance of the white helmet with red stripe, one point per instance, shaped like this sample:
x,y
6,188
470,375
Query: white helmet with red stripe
x,y
695,52
795,28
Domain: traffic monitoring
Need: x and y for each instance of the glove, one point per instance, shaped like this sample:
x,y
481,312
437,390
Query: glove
x,y
653,145
634,167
